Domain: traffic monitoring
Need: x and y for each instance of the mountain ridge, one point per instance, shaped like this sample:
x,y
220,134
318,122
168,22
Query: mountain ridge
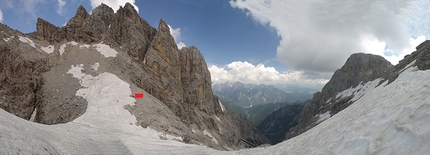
x,y
248,95
146,58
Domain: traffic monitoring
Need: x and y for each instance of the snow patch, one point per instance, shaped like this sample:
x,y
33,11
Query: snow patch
x,y
218,118
7,39
358,91
96,66
323,117
27,40
210,135
84,46
33,115
73,43
49,49
76,71
408,66
328,101
62,49
222,106
105,50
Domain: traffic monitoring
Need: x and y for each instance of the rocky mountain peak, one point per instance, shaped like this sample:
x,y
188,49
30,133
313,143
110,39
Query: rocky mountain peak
x,y
78,19
163,35
163,27
129,11
359,69
104,13
147,59
81,12
44,31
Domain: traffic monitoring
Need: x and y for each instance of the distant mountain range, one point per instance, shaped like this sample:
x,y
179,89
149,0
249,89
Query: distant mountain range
x,y
254,114
249,95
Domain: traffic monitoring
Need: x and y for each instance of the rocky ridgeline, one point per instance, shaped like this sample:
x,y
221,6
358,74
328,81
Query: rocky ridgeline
x,y
278,123
358,69
178,78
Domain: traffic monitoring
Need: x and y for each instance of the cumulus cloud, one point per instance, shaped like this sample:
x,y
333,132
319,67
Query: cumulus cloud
x,y
1,16
114,4
246,72
176,33
60,6
319,35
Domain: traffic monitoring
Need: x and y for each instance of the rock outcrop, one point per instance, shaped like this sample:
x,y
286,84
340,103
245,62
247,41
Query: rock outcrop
x,y
419,58
358,69
147,58
20,76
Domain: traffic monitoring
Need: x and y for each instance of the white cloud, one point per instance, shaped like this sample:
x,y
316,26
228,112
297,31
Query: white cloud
x,y
176,34
180,45
246,72
30,6
1,16
372,45
319,35
61,4
114,4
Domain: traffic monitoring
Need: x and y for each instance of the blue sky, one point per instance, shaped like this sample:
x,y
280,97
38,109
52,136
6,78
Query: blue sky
x,y
263,41
222,33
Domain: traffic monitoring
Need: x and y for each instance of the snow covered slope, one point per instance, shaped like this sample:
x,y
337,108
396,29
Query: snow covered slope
x,y
390,119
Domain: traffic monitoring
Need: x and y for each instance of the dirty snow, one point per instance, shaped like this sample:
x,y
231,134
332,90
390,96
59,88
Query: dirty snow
x,y
359,91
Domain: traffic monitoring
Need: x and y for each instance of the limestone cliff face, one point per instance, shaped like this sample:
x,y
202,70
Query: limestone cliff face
x,y
359,68
20,77
148,59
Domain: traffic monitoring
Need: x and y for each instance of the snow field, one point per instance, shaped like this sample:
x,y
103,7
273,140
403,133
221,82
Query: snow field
x,y
49,49
390,119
